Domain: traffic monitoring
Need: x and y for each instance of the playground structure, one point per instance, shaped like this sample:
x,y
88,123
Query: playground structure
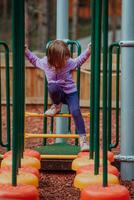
x,y
84,181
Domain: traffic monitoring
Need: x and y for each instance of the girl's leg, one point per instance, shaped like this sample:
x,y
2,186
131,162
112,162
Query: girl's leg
x,y
73,103
56,95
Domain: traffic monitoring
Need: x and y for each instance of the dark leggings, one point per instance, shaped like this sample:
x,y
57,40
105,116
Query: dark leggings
x,y
59,96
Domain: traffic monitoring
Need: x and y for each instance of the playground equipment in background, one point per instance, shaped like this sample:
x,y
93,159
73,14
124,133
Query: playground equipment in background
x,y
81,180
102,185
7,74
70,151
55,149
12,174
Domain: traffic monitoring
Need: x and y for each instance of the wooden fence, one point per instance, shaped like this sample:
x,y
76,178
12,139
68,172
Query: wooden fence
x,y
34,83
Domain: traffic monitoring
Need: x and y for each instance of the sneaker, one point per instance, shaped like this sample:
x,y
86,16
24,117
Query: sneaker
x,y
84,146
54,109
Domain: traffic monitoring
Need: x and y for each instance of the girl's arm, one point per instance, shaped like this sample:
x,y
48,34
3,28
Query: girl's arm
x,y
37,62
77,62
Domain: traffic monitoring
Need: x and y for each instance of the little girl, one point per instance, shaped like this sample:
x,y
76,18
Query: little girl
x,y
58,66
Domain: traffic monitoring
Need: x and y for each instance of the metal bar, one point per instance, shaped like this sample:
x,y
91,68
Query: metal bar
x,y
18,81
36,135
58,156
53,156
117,98
8,144
45,107
29,114
97,82
45,98
109,127
93,5
109,100
52,125
127,43
69,121
62,20
125,158
78,74
105,52
117,95
46,101
78,71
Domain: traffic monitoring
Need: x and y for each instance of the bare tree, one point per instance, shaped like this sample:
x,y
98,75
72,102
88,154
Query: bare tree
x,y
114,19
75,19
4,19
27,38
43,13
52,21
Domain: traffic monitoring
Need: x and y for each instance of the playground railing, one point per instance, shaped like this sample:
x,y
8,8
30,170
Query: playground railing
x,y
72,44
109,117
7,74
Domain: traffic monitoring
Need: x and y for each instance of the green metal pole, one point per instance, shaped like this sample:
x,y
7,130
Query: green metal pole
x,y
97,82
78,76
45,99
105,52
1,142
93,5
22,96
45,108
69,120
18,81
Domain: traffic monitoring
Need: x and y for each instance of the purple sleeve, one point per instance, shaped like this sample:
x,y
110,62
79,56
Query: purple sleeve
x,y
77,62
33,59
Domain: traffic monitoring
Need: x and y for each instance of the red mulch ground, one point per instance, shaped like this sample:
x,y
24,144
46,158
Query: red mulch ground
x,y
57,185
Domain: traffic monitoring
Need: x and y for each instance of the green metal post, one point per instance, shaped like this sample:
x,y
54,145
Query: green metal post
x,y
77,45
93,5
45,108
8,143
52,125
45,99
78,75
97,82
69,121
18,84
105,52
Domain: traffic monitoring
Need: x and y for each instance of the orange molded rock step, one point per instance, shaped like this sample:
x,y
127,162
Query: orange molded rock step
x,y
110,155
90,168
84,161
23,178
83,180
31,170
26,161
27,152
113,192
20,192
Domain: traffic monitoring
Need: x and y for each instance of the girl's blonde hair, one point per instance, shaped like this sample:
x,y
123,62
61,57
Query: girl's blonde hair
x,y
58,53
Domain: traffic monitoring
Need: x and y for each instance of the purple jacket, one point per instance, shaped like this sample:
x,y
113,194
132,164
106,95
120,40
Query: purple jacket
x,y
64,77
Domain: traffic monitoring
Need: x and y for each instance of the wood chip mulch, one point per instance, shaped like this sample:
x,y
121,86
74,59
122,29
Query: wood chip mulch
x,y
58,185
